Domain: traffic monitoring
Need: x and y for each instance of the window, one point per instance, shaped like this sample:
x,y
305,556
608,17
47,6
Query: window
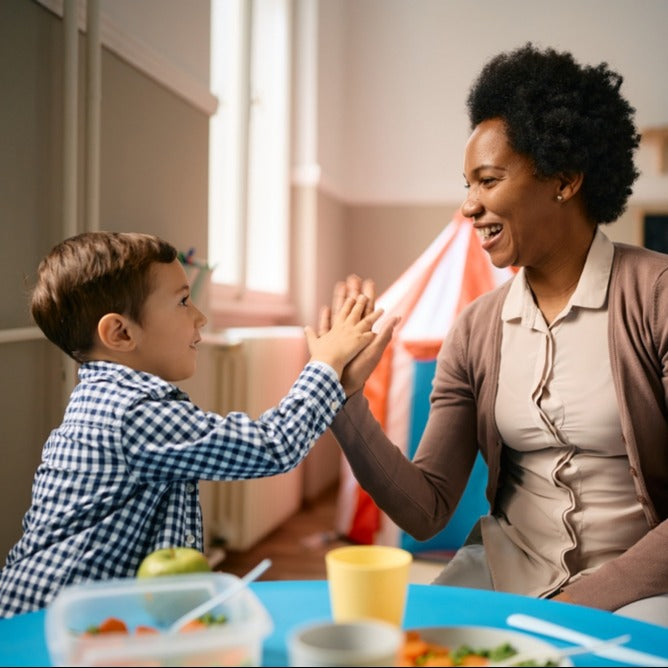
x,y
656,232
249,151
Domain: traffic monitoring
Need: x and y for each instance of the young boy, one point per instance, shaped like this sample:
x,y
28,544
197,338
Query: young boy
x,y
118,477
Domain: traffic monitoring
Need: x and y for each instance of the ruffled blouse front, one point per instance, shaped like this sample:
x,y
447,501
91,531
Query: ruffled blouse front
x,y
567,477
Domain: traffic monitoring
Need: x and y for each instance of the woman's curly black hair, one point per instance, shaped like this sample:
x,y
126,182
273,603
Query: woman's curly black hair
x,y
567,118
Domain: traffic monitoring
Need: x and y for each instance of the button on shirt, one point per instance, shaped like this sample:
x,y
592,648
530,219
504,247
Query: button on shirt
x,y
118,478
567,502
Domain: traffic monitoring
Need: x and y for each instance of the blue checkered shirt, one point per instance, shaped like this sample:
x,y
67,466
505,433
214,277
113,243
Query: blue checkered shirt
x,y
118,478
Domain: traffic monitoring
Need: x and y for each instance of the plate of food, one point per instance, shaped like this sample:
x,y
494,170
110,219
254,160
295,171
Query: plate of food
x,y
477,646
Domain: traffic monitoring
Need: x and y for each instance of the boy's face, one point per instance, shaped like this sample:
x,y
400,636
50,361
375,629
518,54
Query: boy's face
x,y
166,341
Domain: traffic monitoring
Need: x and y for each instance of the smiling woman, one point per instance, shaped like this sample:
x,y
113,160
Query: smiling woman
x,y
558,377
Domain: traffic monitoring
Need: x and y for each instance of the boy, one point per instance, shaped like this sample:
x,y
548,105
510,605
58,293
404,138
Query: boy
x,y
118,477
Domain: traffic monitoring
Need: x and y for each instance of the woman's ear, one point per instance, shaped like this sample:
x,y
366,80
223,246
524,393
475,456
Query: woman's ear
x,y
116,333
569,184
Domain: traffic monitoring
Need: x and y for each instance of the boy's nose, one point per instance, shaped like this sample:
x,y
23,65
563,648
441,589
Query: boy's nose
x,y
200,318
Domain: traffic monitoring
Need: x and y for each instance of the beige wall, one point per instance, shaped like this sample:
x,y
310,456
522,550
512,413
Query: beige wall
x,y
384,239
154,148
395,75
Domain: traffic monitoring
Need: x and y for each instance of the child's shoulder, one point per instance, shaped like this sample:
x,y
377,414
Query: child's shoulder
x,y
121,383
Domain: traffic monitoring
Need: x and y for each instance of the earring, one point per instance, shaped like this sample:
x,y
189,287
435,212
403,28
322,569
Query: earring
x,y
560,198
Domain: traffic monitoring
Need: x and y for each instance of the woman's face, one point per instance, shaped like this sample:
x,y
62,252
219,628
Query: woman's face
x,y
513,210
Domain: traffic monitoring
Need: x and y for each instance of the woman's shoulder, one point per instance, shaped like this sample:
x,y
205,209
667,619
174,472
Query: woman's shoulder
x,y
474,324
637,256
639,265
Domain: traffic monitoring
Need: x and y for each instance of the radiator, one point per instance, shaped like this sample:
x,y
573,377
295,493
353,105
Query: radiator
x,y
251,370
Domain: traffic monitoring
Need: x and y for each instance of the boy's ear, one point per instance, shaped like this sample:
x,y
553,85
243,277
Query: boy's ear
x,y
116,332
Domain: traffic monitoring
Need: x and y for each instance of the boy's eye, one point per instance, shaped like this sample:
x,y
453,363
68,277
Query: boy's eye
x,y
184,301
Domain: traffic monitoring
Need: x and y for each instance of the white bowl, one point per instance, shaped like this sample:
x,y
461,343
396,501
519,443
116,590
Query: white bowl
x,y
487,638
364,642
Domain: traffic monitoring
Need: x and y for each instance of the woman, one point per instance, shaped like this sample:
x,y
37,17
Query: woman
x,y
560,376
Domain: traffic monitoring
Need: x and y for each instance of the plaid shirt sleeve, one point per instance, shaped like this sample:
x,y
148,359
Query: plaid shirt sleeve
x,y
172,439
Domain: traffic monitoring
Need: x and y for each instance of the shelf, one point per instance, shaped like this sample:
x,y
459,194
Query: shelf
x,y
658,136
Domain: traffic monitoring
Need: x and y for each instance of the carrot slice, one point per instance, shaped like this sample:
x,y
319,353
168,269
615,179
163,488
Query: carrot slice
x,y
143,630
112,625
414,648
438,660
194,625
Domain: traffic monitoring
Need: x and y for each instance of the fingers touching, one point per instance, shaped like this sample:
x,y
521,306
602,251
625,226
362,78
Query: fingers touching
x,y
345,338
354,286
342,334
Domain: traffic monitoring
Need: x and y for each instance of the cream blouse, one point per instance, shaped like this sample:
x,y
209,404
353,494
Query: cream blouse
x,y
567,475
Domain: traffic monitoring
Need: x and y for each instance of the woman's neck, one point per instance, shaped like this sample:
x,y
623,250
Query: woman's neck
x,y
553,283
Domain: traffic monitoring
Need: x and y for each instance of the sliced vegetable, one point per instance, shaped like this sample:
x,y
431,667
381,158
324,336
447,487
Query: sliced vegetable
x,y
116,625
109,625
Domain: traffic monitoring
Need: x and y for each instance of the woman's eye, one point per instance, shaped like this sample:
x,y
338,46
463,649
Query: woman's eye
x,y
487,181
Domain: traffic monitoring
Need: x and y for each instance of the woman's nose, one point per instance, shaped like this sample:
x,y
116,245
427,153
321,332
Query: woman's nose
x,y
471,207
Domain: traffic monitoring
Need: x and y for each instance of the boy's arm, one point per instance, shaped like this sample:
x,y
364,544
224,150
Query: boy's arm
x,y
171,438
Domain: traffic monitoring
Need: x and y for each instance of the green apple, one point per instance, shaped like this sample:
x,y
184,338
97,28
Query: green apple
x,y
165,606
173,561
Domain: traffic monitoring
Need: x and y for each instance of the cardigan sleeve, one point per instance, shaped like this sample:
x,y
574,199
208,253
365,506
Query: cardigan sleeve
x,y
638,345
421,495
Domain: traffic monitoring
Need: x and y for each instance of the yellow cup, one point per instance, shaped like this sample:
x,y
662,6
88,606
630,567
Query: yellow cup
x,y
368,581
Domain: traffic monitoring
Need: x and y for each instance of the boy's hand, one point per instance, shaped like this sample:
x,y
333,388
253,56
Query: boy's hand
x,y
349,333
359,369
351,287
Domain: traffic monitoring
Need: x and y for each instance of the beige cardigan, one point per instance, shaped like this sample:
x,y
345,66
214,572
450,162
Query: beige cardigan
x,y
420,496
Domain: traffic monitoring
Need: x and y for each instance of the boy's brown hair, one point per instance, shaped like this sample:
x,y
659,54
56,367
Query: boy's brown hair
x,y
89,275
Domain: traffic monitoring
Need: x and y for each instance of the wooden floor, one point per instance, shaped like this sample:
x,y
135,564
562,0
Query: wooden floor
x,y
297,548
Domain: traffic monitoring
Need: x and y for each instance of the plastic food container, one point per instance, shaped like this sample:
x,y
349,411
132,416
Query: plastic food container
x,y
155,602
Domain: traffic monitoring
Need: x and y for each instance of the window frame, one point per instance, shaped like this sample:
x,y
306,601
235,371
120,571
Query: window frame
x,y
233,304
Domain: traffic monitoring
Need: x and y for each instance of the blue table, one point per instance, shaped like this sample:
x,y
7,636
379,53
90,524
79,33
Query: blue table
x,y
291,603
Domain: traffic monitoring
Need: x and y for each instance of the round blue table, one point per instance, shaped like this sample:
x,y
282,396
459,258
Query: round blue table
x,y
291,603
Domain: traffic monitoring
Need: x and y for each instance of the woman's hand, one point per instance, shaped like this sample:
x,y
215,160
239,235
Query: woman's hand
x,y
351,287
356,372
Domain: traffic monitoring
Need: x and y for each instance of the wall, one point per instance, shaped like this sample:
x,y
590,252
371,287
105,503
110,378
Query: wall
x,y
393,77
176,32
408,66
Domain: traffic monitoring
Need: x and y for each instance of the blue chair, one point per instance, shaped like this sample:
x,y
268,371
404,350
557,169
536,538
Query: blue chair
x,y
473,503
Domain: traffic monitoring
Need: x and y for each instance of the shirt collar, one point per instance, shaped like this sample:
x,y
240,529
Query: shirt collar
x,y
124,375
590,292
